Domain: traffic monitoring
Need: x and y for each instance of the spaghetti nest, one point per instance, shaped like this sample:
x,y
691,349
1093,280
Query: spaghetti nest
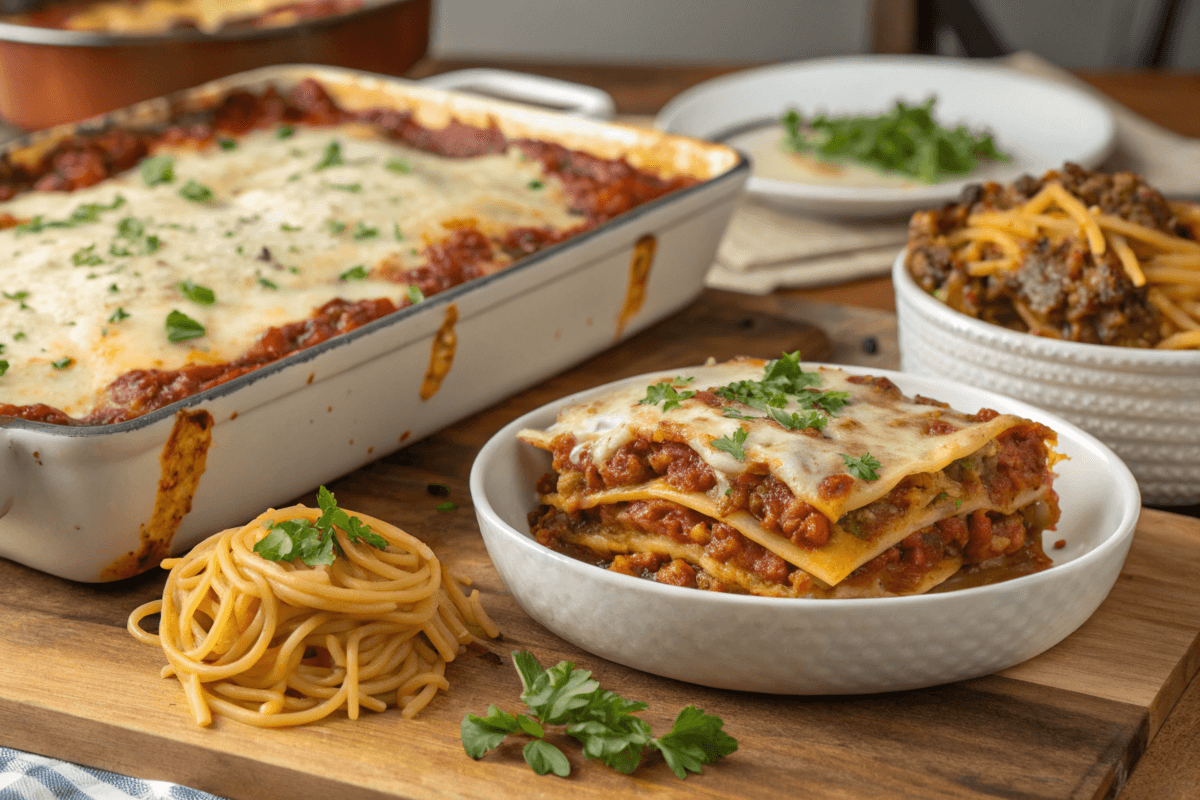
x,y
274,644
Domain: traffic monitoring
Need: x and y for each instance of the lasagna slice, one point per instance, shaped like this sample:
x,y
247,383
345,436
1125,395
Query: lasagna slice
x,y
760,477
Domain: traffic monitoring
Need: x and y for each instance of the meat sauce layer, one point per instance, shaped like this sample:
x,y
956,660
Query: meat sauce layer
x,y
1008,545
598,189
1014,462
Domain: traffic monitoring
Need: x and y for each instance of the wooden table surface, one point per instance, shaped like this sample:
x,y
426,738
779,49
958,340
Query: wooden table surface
x,y
1171,764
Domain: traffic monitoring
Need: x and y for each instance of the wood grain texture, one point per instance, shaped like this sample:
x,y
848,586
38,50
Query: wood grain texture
x,y
1071,723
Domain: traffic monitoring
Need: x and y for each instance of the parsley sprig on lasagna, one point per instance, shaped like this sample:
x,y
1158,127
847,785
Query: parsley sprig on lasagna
x,y
768,478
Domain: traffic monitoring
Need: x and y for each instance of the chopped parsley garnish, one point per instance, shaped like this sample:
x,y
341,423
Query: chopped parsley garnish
x,y
905,140
112,287
364,232
396,232
345,187
180,327
227,144
862,468
314,543
18,297
331,157
399,165
414,295
132,239
86,257
732,446
201,295
62,363
536,184
295,176
18,336
664,392
785,381
3,366
267,283
118,315
158,169
447,506
196,192
602,721
335,226
797,421
88,212
283,226
284,132
355,273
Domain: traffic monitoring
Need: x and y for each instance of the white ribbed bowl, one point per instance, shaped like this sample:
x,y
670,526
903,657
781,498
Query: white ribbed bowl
x,y
786,646
1144,404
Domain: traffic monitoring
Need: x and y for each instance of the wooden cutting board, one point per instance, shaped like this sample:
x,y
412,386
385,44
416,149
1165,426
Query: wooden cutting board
x,y
1069,723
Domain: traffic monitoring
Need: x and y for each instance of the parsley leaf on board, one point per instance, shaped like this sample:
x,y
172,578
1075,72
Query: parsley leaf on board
x,y
201,295
695,739
664,392
862,468
732,446
157,169
602,721
180,327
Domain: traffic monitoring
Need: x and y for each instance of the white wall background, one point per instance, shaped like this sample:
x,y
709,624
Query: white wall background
x,y
1073,33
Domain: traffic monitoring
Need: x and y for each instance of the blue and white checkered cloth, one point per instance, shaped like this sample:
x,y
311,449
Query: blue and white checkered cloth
x,y
24,776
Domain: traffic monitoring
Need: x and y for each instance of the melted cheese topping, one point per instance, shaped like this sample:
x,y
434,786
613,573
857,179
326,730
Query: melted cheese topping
x,y
893,431
275,241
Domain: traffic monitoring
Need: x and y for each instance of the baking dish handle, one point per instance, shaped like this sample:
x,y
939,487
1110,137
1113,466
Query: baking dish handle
x,y
574,99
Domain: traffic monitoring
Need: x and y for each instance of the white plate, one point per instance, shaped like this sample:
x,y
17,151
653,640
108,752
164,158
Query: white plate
x,y
785,646
1039,123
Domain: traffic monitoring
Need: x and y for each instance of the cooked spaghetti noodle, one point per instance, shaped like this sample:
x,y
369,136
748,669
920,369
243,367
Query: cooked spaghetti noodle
x,y
274,644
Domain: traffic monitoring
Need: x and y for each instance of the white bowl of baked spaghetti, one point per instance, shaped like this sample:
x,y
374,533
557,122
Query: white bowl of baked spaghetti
x,y
732,639
1078,292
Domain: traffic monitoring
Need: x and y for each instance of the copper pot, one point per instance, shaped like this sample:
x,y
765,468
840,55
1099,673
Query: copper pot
x,y
49,76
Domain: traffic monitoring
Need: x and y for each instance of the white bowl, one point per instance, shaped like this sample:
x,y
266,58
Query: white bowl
x,y
1144,404
787,646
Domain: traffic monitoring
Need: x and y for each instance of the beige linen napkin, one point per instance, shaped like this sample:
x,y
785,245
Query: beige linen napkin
x,y
768,247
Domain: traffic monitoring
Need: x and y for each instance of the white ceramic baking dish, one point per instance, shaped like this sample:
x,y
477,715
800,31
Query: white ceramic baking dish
x,y
78,501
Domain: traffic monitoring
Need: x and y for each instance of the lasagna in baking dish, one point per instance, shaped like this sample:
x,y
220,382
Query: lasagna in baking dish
x,y
141,267
765,478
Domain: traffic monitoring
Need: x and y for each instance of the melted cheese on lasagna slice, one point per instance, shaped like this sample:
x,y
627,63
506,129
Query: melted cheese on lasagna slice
x,y
933,464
